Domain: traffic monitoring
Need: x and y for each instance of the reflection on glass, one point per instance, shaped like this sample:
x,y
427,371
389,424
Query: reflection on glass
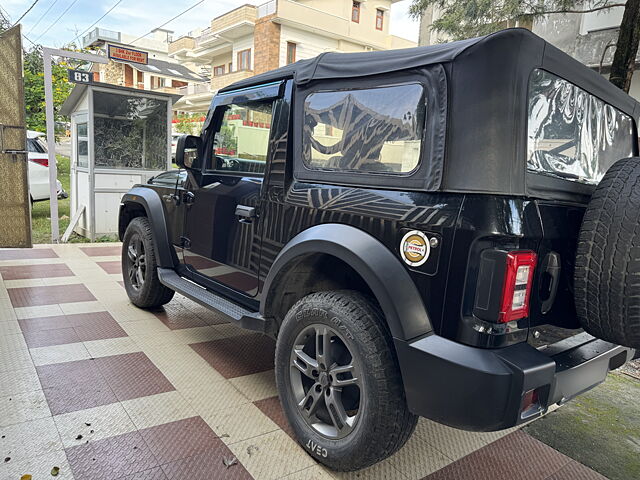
x,y
82,145
130,131
368,130
571,133
242,142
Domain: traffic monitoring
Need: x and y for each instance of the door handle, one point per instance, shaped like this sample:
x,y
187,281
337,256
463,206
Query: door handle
x,y
245,213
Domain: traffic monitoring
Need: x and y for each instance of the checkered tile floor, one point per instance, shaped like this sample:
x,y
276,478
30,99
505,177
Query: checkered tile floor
x,y
104,390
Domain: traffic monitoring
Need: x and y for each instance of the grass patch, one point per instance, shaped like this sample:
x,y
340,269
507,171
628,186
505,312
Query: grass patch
x,y
41,211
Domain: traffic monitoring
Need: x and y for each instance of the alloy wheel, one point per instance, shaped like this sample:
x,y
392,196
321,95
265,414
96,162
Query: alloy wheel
x,y
137,262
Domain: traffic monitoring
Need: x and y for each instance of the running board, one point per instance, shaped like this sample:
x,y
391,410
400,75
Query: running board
x,y
244,318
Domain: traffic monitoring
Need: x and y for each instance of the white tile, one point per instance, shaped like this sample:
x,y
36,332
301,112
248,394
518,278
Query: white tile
x,y
21,407
59,353
144,327
26,282
188,336
9,327
380,471
213,397
15,360
29,439
12,343
39,311
239,423
317,472
19,381
417,459
158,409
82,307
257,386
104,421
39,467
155,339
111,346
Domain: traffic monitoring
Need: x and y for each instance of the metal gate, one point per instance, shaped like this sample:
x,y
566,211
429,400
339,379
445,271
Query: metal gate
x,y
15,219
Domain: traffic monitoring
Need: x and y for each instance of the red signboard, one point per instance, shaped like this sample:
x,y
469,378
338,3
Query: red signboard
x,y
123,54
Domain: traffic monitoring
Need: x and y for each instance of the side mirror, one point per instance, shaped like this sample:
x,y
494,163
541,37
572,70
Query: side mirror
x,y
188,151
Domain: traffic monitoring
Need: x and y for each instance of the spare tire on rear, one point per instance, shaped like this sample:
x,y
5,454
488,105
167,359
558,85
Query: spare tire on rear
x,y
607,273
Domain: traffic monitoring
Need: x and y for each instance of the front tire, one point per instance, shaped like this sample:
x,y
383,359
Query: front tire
x,y
339,381
139,266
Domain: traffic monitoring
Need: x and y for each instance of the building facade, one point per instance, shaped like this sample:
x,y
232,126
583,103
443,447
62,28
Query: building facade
x,y
162,73
253,39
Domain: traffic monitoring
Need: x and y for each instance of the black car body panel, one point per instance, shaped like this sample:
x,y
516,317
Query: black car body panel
x,y
242,236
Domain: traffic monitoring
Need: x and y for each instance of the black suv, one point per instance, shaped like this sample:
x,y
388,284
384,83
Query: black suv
x,y
426,232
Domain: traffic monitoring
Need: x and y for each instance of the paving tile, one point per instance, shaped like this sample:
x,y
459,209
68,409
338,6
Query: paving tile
x,y
19,381
111,458
177,316
49,295
39,311
576,471
51,337
20,272
41,324
317,472
15,360
180,439
417,459
111,346
9,327
271,456
189,336
257,386
68,373
101,251
272,408
93,424
82,307
184,368
12,343
238,356
39,467
208,465
26,253
516,456
19,441
132,375
155,473
59,353
154,339
21,407
239,423
213,397
111,267
380,471
146,412
144,327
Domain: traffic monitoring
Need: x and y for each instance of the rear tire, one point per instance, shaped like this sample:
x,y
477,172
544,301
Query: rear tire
x,y
607,273
139,266
360,387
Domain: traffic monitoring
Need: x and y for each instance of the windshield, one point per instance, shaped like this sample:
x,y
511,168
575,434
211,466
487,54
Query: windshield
x,y
573,134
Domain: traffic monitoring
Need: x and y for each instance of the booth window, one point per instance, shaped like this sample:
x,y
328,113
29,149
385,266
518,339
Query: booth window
x,y
82,144
571,133
129,131
241,143
375,130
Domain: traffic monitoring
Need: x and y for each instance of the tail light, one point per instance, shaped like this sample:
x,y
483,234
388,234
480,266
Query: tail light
x,y
41,161
516,290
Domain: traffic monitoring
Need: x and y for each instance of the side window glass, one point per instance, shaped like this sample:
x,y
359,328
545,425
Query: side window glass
x,y
376,130
242,141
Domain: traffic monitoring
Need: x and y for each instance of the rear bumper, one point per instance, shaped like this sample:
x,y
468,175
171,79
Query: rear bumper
x,y
482,390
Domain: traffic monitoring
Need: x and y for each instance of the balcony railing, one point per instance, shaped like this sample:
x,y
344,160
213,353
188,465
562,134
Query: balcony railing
x,y
100,34
268,8
194,89
205,37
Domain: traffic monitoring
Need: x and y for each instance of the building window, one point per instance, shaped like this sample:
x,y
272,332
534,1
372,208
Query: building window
x,y
291,52
379,19
244,60
355,12
230,67
219,70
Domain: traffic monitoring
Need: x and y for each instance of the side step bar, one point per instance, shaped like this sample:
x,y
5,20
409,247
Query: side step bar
x,y
244,318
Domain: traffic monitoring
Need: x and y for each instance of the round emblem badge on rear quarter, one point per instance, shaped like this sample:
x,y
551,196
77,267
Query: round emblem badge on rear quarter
x,y
415,248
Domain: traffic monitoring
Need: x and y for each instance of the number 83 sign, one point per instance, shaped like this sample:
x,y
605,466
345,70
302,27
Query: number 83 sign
x,y
78,76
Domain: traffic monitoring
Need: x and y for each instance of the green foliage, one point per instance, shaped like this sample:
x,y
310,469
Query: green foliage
x,y
189,124
34,88
459,19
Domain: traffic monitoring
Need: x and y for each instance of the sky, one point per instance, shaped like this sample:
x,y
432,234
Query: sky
x,y
48,24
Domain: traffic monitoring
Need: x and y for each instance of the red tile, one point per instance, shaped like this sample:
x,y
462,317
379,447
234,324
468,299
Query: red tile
x,y
576,471
67,373
176,316
132,375
44,323
517,456
151,474
26,253
180,439
47,338
102,251
271,408
79,396
111,458
238,356
111,267
49,295
21,272
208,465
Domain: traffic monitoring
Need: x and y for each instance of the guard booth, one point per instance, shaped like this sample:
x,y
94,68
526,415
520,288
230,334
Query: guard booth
x,y
119,137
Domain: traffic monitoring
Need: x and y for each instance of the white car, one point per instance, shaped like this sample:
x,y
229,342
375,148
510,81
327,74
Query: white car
x,y
39,168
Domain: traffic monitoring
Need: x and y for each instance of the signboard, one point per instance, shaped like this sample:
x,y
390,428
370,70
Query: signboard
x,y
79,76
123,54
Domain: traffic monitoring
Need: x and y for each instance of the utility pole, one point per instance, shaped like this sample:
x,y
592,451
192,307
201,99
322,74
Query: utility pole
x,y
47,53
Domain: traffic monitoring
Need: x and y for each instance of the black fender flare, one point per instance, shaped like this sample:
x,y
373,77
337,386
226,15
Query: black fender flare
x,y
383,272
152,204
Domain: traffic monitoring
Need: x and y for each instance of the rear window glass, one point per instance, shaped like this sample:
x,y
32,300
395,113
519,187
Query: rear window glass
x,y
376,130
573,134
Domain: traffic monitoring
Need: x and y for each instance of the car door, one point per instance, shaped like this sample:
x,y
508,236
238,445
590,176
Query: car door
x,y
223,225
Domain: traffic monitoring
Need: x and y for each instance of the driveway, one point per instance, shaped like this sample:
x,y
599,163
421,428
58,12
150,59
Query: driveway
x,y
99,389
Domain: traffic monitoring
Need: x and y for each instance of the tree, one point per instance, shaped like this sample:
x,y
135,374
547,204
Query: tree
x,y
470,18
